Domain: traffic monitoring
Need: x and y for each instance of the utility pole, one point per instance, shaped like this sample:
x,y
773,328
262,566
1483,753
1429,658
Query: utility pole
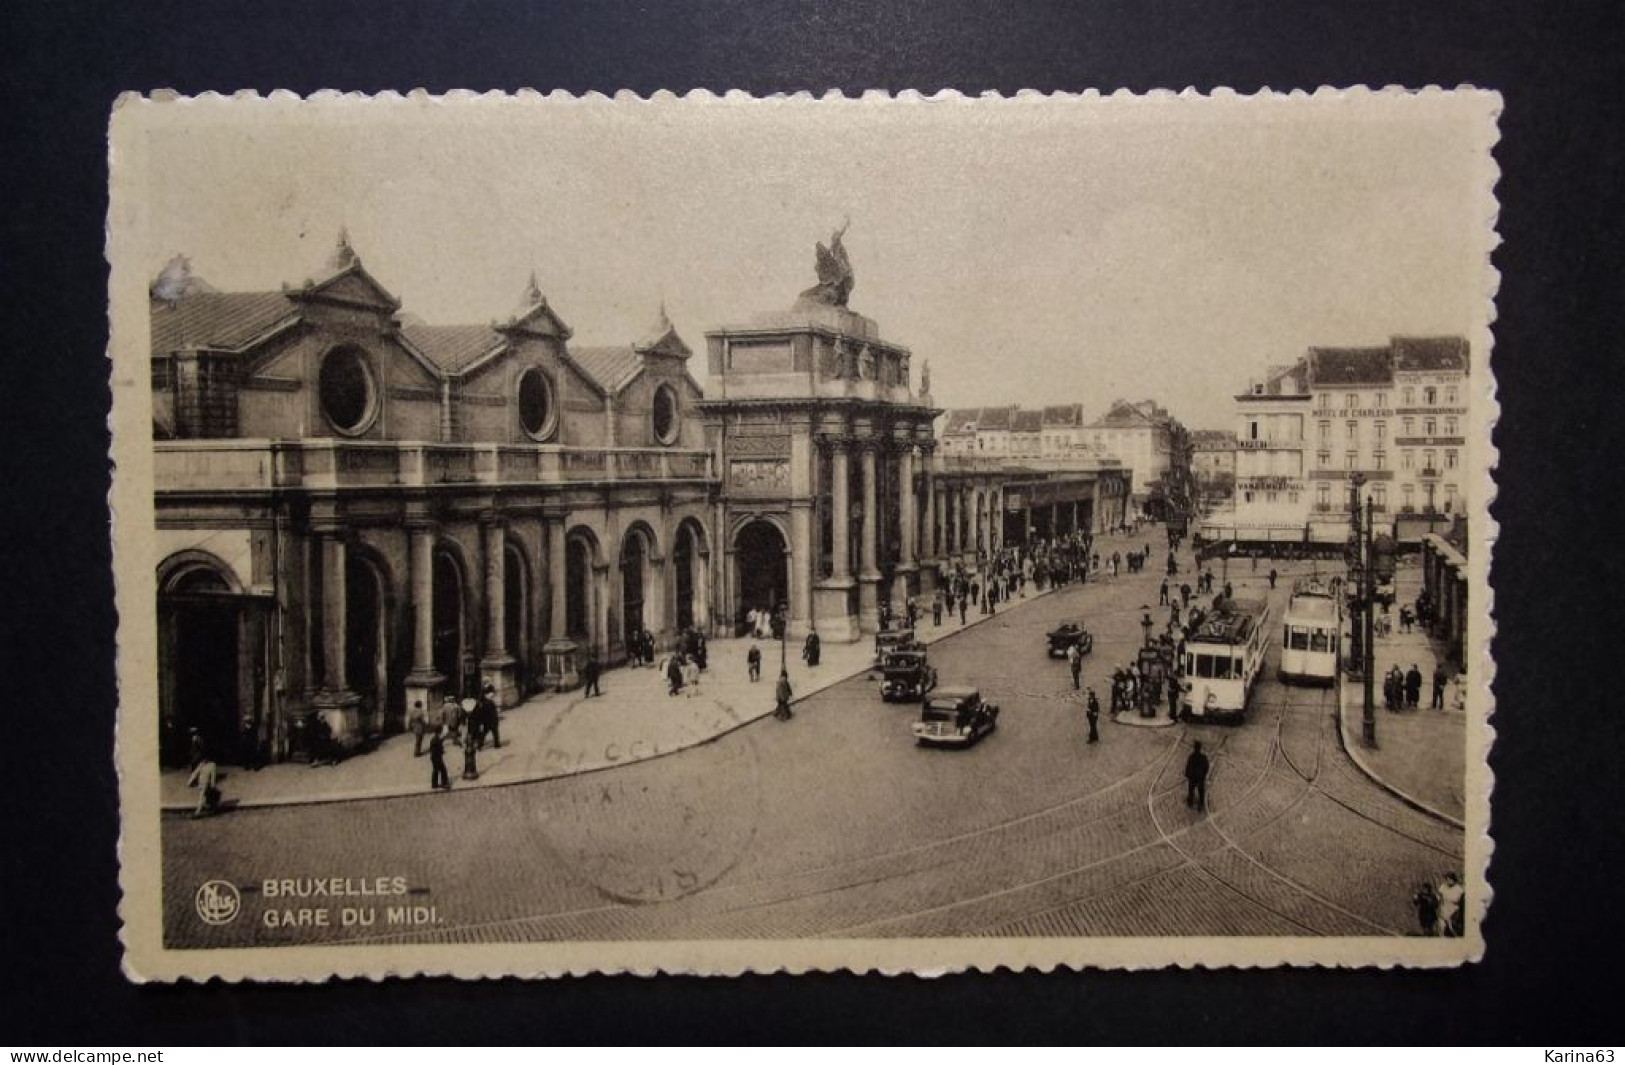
x,y
1368,667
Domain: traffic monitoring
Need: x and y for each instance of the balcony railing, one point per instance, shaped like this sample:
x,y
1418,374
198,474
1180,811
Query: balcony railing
x,y
264,465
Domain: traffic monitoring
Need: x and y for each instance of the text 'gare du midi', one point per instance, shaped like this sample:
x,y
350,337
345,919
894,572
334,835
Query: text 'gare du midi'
x,y
357,512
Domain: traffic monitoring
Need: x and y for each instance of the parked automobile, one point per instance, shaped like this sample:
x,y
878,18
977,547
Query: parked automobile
x,y
1063,638
954,717
906,675
888,640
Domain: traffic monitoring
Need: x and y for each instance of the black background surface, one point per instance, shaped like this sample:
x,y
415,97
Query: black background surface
x,y
1555,927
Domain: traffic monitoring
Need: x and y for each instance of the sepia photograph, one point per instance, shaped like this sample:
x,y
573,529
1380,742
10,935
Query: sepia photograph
x,y
714,534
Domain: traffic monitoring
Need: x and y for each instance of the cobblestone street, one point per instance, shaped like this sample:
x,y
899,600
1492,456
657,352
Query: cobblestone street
x,y
836,824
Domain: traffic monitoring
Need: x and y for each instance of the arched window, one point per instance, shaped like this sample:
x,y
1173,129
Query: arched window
x,y
538,414
348,394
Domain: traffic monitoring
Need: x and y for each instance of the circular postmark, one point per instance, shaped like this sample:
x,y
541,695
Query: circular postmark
x,y
218,902
650,814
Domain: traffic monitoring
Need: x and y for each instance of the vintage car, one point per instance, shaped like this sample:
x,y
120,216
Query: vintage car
x,y
1062,639
954,717
889,640
906,675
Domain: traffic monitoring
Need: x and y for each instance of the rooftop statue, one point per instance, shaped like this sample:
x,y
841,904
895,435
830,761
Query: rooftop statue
x,y
835,277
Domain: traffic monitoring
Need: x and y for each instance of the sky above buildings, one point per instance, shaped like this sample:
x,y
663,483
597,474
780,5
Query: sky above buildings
x,y
1034,252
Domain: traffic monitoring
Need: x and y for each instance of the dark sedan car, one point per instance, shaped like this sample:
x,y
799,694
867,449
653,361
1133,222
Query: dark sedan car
x,y
955,717
1062,639
906,675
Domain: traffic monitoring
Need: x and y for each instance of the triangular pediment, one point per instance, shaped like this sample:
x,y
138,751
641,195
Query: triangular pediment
x,y
668,344
352,286
539,320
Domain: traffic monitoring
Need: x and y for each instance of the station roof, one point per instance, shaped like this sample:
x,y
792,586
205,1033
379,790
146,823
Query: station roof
x,y
1332,367
1430,353
221,320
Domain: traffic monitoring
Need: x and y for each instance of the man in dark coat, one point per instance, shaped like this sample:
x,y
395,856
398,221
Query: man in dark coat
x,y
674,674
439,778
811,650
1413,687
1093,715
1196,767
753,662
781,698
1441,677
589,673
489,716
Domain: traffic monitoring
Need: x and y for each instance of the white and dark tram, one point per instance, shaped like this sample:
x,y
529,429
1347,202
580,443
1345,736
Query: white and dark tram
x,y
1311,633
1223,656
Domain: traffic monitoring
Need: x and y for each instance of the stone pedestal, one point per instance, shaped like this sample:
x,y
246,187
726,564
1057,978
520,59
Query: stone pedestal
x,y
501,674
869,602
905,585
342,711
427,688
563,671
832,603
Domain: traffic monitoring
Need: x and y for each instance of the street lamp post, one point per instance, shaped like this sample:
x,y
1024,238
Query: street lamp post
x,y
1363,571
1146,624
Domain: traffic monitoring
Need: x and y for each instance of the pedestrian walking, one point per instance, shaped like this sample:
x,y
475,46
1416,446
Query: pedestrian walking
x,y
490,716
206,779
439,778
1093,716
781,698
1273,575
936,610
1196,767
753,662
451,714
962,610
1413,687
590,671
1175,689
1441,678
812,650
1452,906
1162,594
1074,659
674,674
418,722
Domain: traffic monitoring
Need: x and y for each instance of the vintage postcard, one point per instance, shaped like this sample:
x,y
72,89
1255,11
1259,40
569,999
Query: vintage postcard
x,y
713,535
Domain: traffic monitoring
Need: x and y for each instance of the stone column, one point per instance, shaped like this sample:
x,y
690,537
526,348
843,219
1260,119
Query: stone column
x,y
801,568
905,581
559,650
841,517
869,571
497,667
423,684
833,615
337,704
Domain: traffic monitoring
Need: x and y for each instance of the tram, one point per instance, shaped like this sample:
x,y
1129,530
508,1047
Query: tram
x,y
1223,656
1311,633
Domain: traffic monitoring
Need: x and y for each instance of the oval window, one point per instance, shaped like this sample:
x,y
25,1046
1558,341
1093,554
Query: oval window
x,y
536,409
347,394
665,414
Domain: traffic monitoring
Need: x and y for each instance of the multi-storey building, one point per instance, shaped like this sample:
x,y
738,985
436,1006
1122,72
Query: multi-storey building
x,y
1394,416
1149,442
1213,464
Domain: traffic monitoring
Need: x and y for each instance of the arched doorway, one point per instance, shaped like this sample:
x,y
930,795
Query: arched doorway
x,y
198,664
685,556
516,616
366,653
449,637
578,600
634,580
761,561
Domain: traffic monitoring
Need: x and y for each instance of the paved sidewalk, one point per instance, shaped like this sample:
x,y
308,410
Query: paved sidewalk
x,y
562,734
1421,754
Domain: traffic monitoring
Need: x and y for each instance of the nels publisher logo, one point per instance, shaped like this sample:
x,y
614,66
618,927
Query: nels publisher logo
x,y
218,902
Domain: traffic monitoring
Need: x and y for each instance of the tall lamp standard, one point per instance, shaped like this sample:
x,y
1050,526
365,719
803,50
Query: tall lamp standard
x,y
1146,624
1363,572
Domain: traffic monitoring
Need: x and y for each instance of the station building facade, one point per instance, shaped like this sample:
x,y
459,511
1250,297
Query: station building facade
x,y
357,512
